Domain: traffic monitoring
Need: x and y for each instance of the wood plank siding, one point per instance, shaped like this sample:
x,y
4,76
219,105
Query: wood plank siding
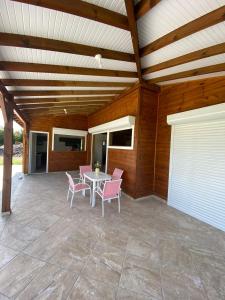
x,y
178,98
61,161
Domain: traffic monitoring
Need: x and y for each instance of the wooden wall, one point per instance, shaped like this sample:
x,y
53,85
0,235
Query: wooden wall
x,y
124,159
61,161
178,98
146,142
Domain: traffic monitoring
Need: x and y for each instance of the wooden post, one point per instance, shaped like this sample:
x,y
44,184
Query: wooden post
x,y
25,148
7,111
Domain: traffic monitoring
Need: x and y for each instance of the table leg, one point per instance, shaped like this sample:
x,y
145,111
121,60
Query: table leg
x,y
93,193
83,192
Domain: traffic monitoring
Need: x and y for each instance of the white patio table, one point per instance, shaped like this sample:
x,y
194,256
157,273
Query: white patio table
x,y
95,178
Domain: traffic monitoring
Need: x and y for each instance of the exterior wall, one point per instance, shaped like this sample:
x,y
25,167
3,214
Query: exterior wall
x,y
124,159
61,161
178,98
138,164
146,143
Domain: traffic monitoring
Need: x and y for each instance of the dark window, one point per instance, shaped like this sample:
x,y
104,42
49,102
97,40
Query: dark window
x,y
121,138
68,143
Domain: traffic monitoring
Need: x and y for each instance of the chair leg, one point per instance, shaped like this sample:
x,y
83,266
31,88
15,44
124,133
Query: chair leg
x,y
119,204
71,202
68,193
103,212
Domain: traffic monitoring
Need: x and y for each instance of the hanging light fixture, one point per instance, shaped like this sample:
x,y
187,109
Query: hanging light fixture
x,y
65,111
98,58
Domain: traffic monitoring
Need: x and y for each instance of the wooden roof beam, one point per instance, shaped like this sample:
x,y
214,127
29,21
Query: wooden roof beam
x,y
46,68
199,54
63,105
83,9
63,100
64,92
189,73
210,19
40,82
32,42
134,35
143,6
9,97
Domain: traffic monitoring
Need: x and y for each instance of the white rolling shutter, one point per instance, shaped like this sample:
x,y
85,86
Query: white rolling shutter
x,y
197,170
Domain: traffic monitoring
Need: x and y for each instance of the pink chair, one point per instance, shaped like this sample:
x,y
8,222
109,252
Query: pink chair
x,y
84,169
117,174
111,190
76,188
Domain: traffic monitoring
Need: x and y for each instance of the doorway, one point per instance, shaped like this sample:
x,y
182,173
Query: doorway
x,y
38,154
99,150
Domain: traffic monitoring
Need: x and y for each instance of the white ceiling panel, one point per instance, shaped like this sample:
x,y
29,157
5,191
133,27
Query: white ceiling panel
x,y
49,76
114,5
32,20
169,15
58,58
204,62
199,40
217,74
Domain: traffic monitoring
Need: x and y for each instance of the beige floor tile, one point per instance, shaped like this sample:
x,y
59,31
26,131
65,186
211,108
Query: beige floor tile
x,y
123,294
6,255
89,289
149,250
50,283
17,274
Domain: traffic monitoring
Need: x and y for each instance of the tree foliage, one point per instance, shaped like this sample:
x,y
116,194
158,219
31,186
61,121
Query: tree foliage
x,y
17,137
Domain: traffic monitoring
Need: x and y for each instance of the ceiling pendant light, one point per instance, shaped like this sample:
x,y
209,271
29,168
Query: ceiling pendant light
x,y
98,58
65,111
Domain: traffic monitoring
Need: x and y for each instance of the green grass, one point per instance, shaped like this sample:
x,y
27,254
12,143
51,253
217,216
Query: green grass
x,y
15,161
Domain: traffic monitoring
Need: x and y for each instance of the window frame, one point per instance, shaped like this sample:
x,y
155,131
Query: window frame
x,y
123,147
69,132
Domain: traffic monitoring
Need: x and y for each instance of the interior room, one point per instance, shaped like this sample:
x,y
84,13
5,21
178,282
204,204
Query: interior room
x,y
122,105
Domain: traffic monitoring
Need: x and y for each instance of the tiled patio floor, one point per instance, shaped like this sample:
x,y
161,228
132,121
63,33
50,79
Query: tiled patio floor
x,y
149,251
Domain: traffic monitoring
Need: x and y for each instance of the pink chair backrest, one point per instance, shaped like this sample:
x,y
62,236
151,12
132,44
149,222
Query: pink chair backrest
x,y
85,169
117,174
71,183
111,188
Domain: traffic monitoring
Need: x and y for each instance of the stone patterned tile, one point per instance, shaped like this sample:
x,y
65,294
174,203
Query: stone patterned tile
x,y
89,289
3,297
140,280
123,294
6,255
50,283
17,274
211,269
149,251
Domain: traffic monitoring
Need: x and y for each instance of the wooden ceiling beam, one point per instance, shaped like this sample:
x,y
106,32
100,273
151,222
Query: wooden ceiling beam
x,y
24,118
199,54
84,107
83,9
143,6
63,105
64,92
203,22
31,42
40,82
134,35
63,100
190,73
46,68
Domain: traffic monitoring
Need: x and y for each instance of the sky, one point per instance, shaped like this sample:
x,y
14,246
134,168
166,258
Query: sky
x,y
16,127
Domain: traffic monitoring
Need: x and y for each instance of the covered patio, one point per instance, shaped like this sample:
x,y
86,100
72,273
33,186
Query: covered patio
x,y
148,251
135,86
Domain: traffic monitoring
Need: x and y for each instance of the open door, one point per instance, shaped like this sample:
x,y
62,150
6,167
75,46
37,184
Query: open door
x,y
38,154
99,150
